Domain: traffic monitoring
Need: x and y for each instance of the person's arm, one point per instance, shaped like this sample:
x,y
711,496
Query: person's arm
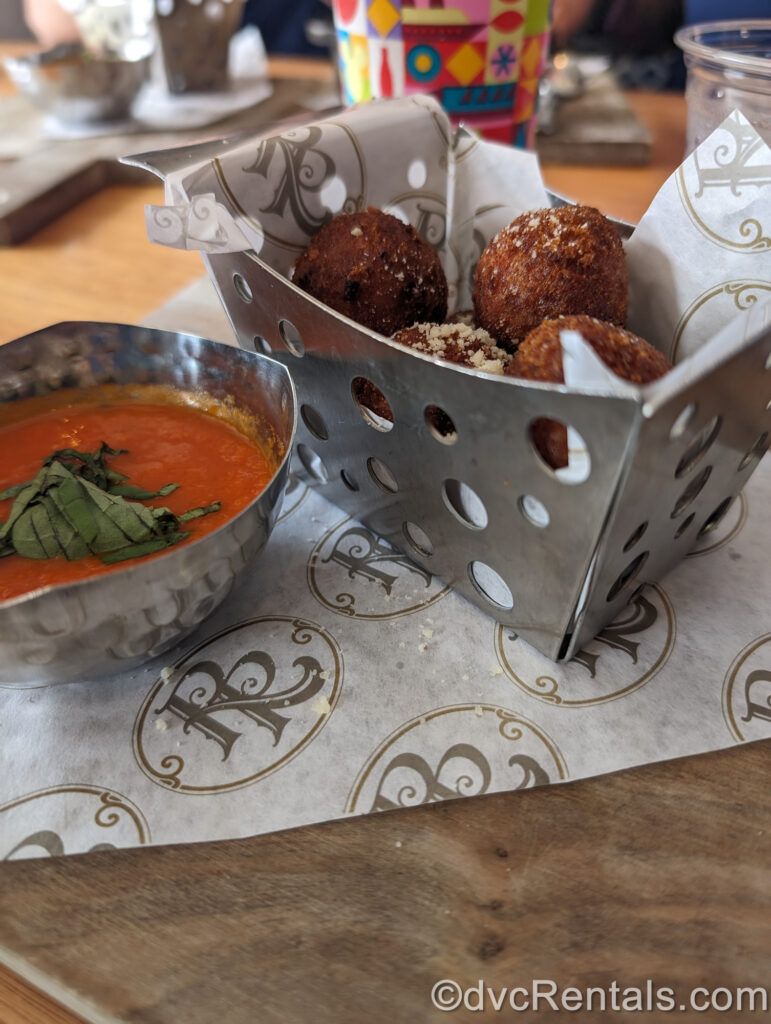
x,y
50,23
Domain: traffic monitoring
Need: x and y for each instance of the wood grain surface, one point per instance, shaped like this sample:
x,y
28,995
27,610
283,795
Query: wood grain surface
x,y
660,872
50,176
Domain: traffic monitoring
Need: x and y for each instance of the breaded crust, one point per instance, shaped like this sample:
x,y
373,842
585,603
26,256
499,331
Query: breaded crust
x,y
549,263
539,357
375,269
457,343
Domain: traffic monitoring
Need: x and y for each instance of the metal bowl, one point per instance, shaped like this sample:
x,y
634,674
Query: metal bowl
x,y
76,87
116,621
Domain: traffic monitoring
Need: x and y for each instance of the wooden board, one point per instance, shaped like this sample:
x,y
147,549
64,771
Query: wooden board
x,y
598,127
48,177
658,873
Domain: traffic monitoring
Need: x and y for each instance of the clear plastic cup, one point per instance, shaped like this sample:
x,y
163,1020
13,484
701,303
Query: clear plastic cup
x,y
729,67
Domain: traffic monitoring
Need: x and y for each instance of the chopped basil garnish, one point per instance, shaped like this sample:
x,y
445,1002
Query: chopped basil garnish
x,y
77,505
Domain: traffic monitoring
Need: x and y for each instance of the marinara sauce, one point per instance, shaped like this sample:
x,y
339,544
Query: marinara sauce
x,y
166,443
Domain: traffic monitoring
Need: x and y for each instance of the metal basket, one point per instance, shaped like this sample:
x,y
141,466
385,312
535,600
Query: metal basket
x,y
552,558
554,561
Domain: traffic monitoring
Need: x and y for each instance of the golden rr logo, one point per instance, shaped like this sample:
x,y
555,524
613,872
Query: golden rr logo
x,y
747,691
620,659
69,819
721,302
239,706
460,750
737,169
353,572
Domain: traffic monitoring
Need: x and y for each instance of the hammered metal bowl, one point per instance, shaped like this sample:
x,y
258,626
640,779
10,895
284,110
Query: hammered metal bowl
x,y
114,622
77,88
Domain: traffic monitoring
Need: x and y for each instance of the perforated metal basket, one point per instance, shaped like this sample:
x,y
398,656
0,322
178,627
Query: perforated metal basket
x,y
554,561
552,556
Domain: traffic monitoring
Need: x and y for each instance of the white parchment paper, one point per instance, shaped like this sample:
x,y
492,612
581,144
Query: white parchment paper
x,y
341,679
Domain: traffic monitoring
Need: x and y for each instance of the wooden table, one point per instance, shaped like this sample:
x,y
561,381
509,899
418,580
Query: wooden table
x,y
657,873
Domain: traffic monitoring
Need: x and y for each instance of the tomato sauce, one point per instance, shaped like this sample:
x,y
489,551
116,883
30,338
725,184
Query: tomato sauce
x,y
208,457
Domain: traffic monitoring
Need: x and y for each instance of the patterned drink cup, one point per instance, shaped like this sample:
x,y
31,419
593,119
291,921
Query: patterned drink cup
x,y
482,59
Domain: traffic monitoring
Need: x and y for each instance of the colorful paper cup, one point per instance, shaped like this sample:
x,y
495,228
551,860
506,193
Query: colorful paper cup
x,y
482,59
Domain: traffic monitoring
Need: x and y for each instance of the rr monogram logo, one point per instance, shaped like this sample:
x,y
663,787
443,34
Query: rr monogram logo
x,y
401,773
304,170
454,776
747,691
638,617
756,708
433,788
362,559
239,706
734,169
254,697
70,818
620,659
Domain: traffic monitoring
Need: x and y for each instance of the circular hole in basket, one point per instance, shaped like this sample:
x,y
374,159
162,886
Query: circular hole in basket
x,y
418,539
712,520
348,480
683,421
314,421
382,475
465,504
684,526
627,575
417,173
242,288
534,511
756,452
291,337
636,535
700,444
261,345
440,424
372,404
313,463
560,449
490,585
693,489
333,194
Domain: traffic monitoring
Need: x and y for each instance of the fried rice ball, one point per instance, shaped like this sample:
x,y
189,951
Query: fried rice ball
x,y
457,343
539,357
375,269
550,263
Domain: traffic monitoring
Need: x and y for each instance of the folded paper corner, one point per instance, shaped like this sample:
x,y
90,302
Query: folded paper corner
x,y
202,224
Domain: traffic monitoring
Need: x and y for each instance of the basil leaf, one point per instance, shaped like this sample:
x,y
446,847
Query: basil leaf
x,y
138,550
196,513
77,505
12,492
139,493
26,495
